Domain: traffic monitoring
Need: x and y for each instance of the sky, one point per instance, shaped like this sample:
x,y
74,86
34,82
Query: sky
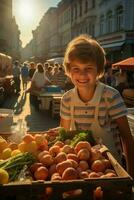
x,y
28,14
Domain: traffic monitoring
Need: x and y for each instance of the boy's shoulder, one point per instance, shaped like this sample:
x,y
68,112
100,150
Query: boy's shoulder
x,y
110,91
69,94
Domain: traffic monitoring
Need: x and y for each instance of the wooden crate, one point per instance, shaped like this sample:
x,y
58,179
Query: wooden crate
x,y
116,188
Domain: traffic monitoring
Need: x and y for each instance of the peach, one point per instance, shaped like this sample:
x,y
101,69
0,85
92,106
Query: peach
x,y
59,143
54,150
35,166
98,193
83,154
83,165
60,157
82,145
95,155
67,149
98,166
52,169
55,177
28,138
107,163
60,167
73,157
39,138
70,174
41,173
93,175
47,160
41,154
74,163
83,174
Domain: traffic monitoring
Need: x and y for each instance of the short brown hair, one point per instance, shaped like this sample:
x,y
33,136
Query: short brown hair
x,y
85,49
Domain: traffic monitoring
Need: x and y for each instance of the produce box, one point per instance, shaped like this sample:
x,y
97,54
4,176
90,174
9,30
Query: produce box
x,y
114,188
53,88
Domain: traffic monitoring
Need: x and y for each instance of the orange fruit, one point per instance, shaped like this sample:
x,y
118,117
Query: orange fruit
x,y
28,138
22,147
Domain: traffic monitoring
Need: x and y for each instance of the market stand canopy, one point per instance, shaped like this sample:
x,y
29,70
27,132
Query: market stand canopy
x,y
127,64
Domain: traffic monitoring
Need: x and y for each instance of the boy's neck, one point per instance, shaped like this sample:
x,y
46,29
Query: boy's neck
x,y
86,94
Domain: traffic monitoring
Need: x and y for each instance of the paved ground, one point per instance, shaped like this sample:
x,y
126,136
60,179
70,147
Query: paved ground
x,y
35,120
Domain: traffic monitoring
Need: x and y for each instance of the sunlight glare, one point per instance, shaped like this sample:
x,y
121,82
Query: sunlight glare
x,y
26,11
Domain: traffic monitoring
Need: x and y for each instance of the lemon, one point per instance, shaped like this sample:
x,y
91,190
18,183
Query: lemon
x,y
4,176
15,152
6,153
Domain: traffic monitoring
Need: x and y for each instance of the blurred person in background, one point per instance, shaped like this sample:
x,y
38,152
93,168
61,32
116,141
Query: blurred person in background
x,y
48,72
110,78
122,82
16,76
24,75
38,82
60,78
46,65
32,68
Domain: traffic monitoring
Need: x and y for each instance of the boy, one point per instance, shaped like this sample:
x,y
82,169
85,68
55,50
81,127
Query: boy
x,y
92,105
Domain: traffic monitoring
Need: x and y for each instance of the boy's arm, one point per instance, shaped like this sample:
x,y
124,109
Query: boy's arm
x,y
128,143
65,123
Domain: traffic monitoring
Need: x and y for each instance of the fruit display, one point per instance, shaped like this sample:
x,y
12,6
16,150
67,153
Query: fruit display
x,y
58,158
60,161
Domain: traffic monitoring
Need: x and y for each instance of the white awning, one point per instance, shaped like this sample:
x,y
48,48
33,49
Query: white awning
x,y
112,45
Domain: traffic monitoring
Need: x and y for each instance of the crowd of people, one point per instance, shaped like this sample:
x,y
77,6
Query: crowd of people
x,y
39,75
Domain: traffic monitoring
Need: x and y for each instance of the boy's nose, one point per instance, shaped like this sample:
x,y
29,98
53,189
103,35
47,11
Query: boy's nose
x,y
82,72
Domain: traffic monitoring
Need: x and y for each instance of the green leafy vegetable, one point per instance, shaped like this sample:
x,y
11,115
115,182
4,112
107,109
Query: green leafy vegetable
x,y
16,163
83,136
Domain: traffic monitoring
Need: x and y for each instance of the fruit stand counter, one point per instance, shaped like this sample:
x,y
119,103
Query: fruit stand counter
x,y
55,170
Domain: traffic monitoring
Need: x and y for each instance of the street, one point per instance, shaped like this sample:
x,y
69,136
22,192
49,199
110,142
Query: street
x,y
35,120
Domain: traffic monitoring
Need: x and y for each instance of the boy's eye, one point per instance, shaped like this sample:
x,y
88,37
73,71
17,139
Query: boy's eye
x,y
75,69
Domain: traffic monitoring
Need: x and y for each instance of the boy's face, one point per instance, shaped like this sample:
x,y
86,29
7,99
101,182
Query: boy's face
x,y
83,75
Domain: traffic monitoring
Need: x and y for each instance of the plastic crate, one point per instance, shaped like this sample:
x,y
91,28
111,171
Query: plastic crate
x,y
7,119
53,88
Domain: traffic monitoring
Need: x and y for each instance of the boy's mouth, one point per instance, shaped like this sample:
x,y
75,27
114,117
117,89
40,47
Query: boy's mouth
x,y
82,81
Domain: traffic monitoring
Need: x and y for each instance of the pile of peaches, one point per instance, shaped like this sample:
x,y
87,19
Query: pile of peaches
x,y
61,161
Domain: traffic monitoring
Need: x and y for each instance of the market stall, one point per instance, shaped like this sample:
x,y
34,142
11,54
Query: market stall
x,y
127,65
50,98
40,167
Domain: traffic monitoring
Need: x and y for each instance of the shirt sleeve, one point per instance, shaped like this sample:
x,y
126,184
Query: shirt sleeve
x,y
117,107
65,107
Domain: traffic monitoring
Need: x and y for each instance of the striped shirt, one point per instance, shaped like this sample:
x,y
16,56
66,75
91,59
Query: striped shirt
x,y
84,112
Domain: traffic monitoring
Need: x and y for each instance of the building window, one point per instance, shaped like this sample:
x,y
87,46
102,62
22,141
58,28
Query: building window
x,y
86,6
93,3
119,18
91,29
109,22
80,6
75,11
102,24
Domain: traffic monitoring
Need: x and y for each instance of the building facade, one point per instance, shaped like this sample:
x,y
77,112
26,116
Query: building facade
x,y
9,32
110,22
